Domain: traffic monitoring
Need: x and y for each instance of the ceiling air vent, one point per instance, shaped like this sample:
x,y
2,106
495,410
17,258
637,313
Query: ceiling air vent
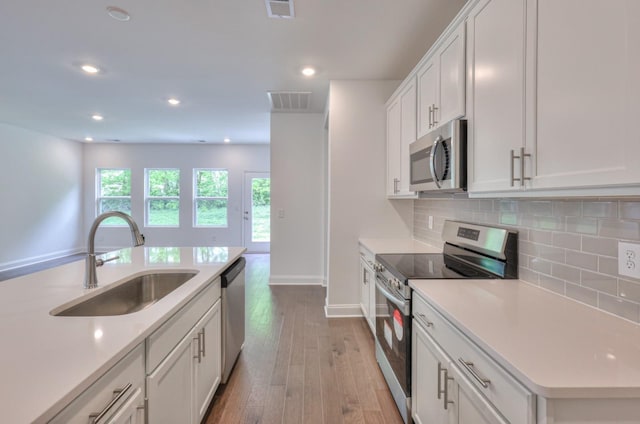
x,y
290,101
280,8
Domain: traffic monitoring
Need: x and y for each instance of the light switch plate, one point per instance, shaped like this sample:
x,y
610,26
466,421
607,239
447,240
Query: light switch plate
x,y
629,259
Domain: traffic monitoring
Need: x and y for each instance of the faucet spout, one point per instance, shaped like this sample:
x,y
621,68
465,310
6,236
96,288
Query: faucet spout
x,y
137,239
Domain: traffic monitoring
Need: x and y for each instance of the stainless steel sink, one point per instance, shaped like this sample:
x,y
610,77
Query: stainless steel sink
x,y
131,296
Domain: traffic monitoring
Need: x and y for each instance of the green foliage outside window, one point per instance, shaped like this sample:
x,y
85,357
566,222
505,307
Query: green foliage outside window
x,y
114,188
163,192
211,193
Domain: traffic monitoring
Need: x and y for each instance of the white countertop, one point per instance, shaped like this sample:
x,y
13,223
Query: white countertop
x,y
46,361
397,245
555,346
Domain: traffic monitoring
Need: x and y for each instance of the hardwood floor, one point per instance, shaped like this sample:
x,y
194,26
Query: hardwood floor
x,y
298,366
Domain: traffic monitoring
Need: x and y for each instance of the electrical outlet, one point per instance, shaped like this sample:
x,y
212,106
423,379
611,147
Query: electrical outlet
x,y
628,262
431,222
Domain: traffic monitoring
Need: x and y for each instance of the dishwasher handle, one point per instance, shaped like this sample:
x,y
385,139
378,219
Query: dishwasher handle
x,y
233,271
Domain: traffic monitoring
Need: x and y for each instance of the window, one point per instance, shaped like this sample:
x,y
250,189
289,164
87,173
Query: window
x,y
211,192
162,197
114,193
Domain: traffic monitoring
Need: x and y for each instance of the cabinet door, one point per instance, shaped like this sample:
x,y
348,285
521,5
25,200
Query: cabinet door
x,y
588,93
393,147
451,58
427,380
408,118
471,406
170,386
207,366
365,283
496,92
132,412
427,95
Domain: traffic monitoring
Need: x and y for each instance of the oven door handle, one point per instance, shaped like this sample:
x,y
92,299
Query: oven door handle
x,y
432,162
401,304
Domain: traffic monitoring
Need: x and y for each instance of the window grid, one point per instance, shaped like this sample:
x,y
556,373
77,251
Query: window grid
x,y
210,197
113,193
162,202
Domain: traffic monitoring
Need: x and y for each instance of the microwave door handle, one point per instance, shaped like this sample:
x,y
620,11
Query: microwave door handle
x,y
432,162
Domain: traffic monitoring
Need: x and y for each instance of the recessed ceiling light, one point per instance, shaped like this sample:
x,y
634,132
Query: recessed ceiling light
x,y
173,101
227,140
308,71
97,117
88,139
118,14
90,69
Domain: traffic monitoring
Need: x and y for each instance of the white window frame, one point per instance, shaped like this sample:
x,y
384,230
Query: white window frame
x,y
99,196
196,198
148,197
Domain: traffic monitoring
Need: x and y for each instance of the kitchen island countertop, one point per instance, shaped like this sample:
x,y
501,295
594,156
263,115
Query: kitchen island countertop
x,y
46,361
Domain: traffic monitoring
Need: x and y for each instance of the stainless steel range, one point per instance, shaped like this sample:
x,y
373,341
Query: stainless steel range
x,y
470,251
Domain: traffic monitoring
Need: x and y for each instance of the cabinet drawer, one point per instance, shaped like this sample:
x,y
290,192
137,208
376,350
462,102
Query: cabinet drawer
x,y
165,338
508,395
95,399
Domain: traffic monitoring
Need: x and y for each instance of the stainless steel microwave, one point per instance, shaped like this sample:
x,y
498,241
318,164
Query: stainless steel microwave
x,y
439,159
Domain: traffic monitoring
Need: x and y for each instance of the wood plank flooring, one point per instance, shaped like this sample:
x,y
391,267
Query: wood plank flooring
x,y
298,366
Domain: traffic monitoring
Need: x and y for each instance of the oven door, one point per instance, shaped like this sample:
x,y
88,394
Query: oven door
x,y
393,331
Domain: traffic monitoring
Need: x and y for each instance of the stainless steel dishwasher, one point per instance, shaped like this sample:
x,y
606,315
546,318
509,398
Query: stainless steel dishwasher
x,y
233,311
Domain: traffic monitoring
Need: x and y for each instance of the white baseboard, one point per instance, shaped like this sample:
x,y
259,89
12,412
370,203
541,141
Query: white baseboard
x,y
296,280
42,258
342,311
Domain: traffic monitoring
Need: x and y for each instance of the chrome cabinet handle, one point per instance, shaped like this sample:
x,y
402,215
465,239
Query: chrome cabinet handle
x,y
204,346
484,382
521,157
96,417
435,123
445,391
440,369
426,321
395,185
198,357
430,117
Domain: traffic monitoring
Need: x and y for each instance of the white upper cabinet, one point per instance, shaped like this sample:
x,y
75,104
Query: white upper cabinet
x,y
401,132
588,93
496,93
556,83
441,83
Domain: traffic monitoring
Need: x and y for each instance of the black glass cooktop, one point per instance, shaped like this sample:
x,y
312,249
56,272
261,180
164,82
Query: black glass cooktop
x,y
429,266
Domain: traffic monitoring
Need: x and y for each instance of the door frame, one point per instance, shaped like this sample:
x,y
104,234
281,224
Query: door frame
x,y
247,218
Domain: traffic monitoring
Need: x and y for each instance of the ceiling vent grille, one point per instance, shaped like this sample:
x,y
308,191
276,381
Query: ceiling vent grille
x,y
290,101
280,8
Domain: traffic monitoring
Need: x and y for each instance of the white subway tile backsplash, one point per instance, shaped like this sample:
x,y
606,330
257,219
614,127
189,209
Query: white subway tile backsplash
x,y
600,246
600,209
630,210
567,246
581,294
620,307
599,282
582,260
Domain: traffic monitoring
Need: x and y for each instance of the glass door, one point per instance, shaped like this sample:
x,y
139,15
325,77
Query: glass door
x,y
257,211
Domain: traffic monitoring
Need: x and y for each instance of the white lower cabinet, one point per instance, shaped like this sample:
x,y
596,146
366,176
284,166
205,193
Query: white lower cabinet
x,y
117,397
180,389
454,382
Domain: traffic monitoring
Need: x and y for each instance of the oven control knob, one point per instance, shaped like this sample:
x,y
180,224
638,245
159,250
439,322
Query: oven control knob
x,y
396,283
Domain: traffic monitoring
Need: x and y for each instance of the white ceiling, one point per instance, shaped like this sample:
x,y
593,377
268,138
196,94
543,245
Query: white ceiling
x,y
219,57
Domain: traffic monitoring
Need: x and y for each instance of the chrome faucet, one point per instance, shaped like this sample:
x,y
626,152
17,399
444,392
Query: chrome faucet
x,y
90,276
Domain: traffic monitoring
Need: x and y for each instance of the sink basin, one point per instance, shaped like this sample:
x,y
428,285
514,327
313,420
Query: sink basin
x,y
131,296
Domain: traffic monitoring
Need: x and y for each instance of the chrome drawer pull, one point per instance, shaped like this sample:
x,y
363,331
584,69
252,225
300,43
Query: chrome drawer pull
x,y
96,417
204,352
426,321
484,382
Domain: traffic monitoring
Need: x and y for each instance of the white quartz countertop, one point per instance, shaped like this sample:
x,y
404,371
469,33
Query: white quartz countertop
x,y
397,245
46,361
555,346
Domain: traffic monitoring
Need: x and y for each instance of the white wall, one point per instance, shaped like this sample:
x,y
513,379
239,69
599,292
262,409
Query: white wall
x,y
41,194
238,159
358,206
298,186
